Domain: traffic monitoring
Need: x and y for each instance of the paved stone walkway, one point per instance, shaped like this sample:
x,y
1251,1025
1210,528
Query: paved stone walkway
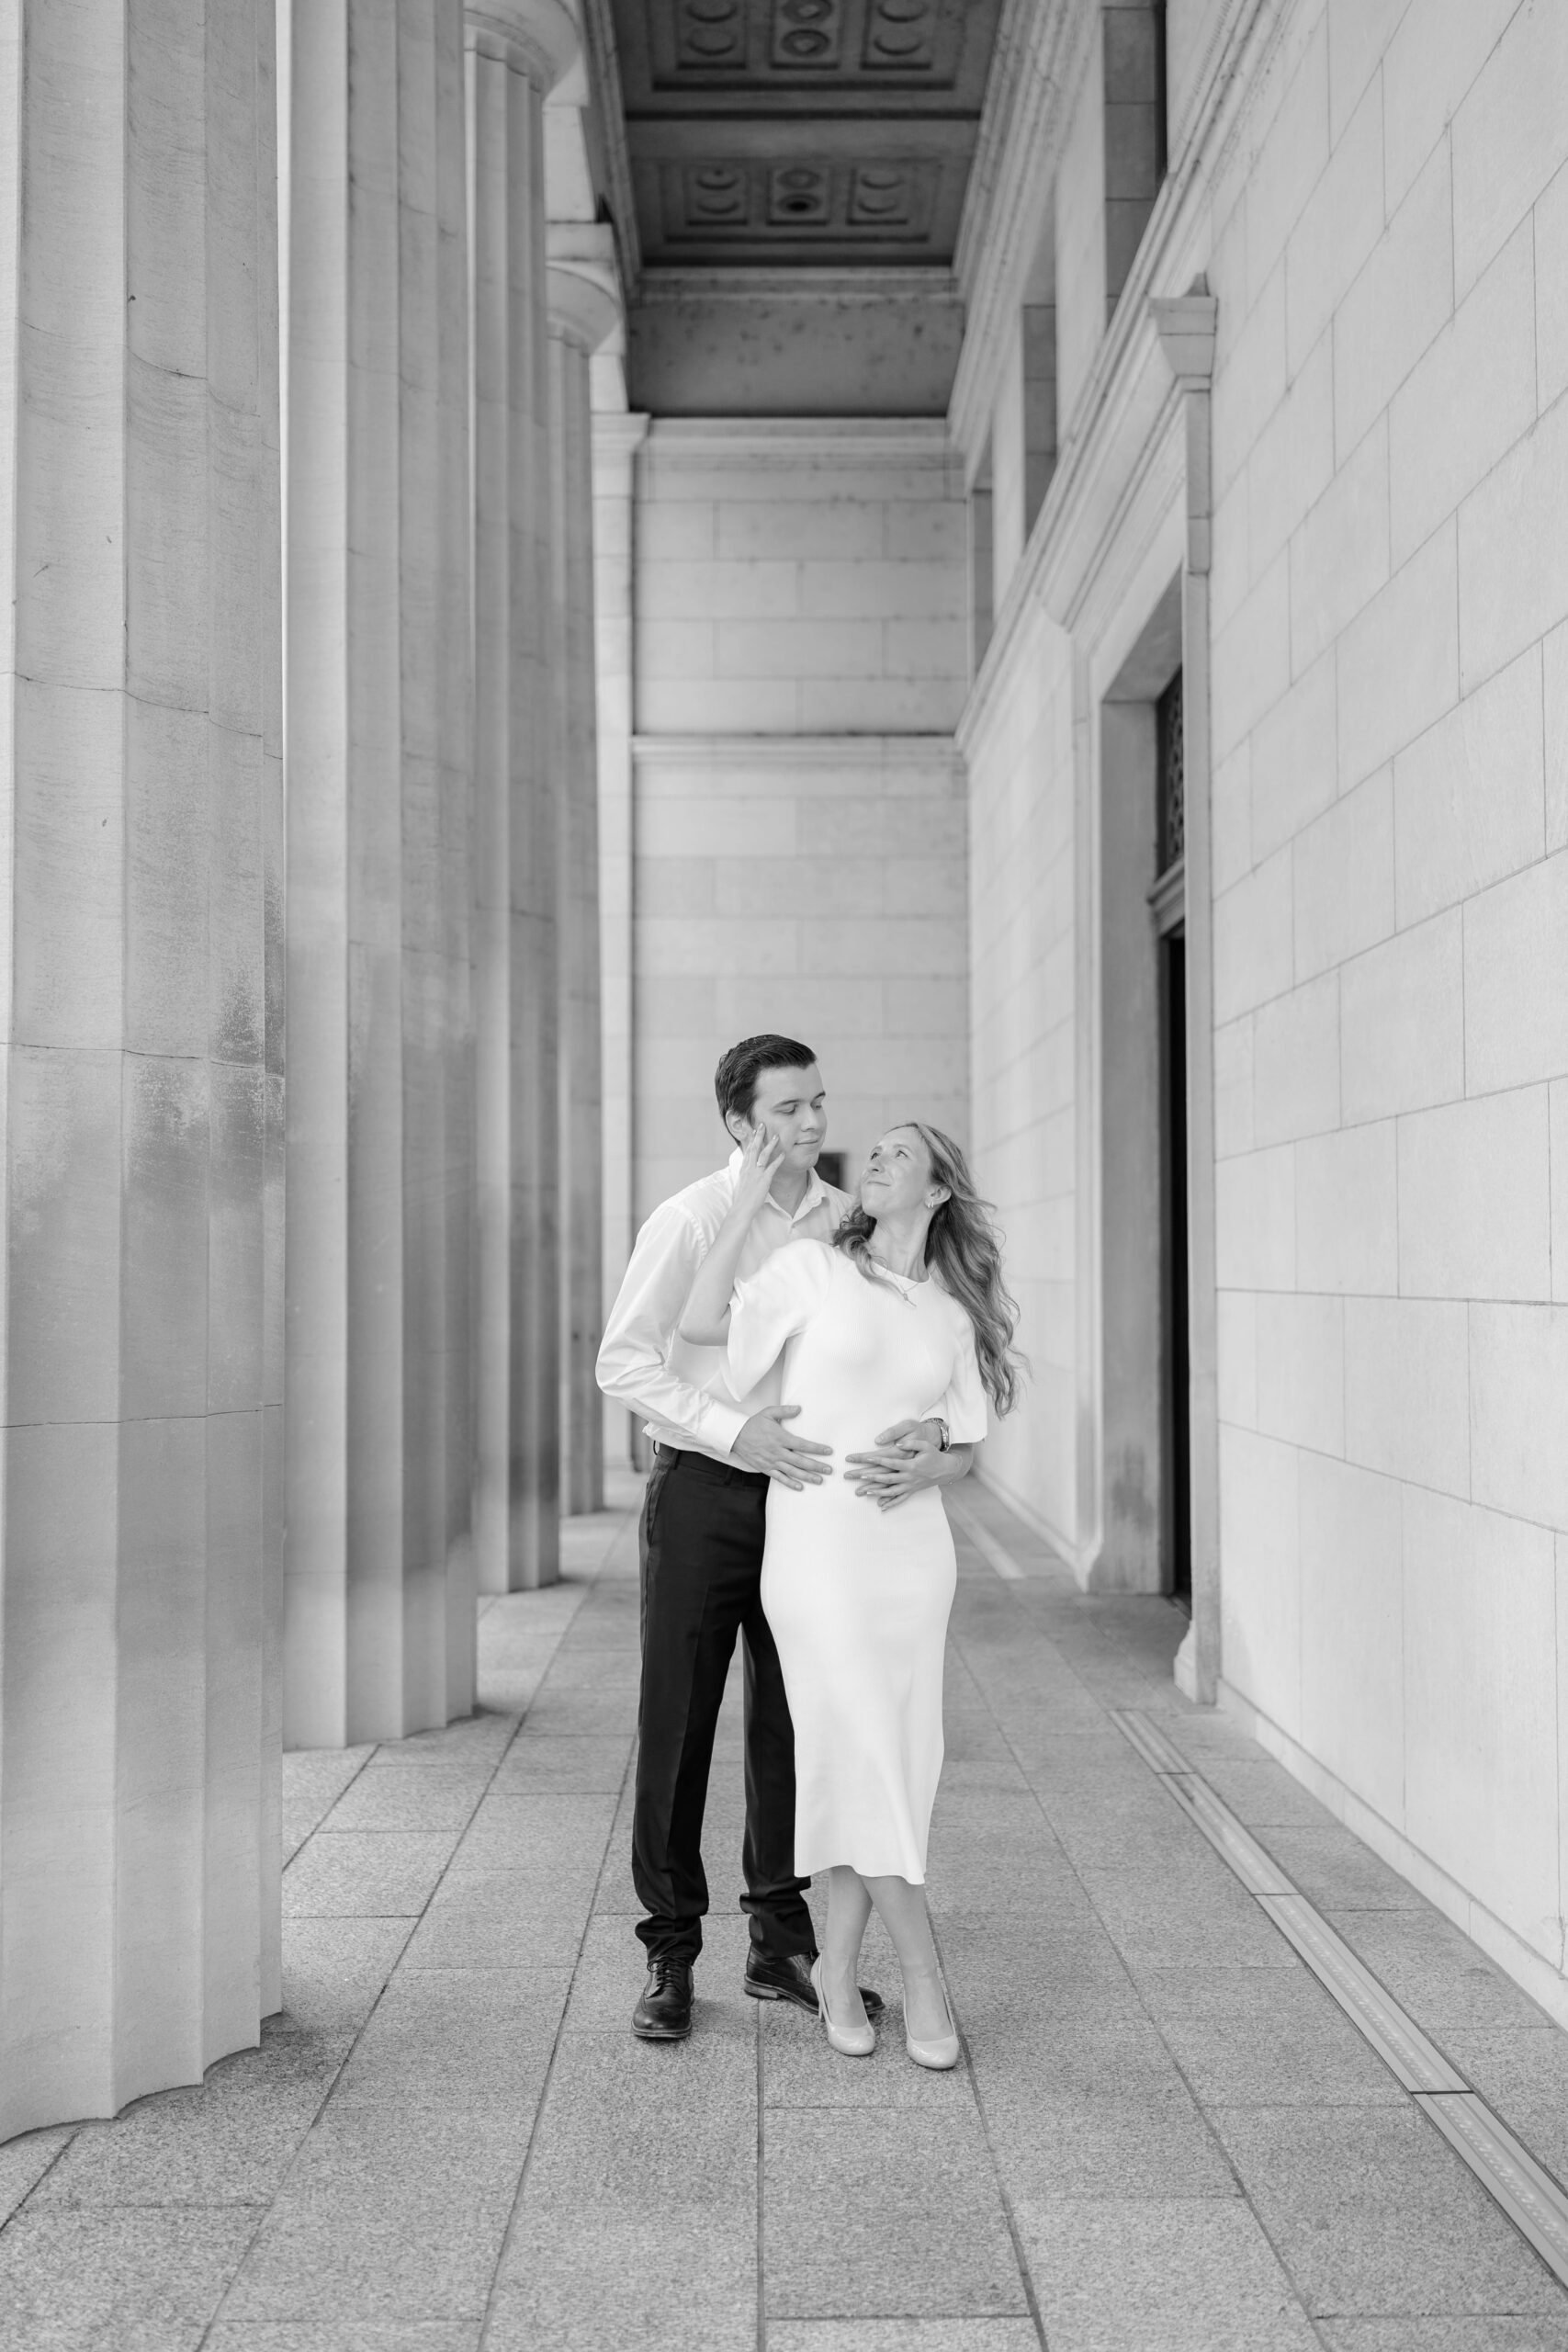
x,y
1165,2137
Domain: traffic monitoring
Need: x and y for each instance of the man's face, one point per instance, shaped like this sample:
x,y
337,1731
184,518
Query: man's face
x,y
793,1105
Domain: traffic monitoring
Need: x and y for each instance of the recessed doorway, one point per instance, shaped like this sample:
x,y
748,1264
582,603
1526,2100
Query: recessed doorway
x,y
1145,1373
1167,905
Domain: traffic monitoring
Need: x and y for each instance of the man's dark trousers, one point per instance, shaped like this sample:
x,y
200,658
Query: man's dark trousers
x,y
702,1532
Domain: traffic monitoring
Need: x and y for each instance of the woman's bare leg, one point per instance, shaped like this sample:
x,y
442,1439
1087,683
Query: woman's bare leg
x,y
849,1908
902,1910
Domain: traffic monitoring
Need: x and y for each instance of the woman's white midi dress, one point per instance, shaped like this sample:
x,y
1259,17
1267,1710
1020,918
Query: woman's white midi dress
x,y
858,1598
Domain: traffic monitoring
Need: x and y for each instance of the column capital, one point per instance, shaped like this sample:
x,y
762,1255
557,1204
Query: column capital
x,y
1185,325
619,434
582,307
540,36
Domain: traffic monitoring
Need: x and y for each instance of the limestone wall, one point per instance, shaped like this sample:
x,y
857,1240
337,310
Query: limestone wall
x,y
799,831
1381,207
1390,928
1022,1008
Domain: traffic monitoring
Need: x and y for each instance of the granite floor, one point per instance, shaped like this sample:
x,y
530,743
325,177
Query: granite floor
x,y
1165,2136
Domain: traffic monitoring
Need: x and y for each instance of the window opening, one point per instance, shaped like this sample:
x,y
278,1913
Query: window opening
x,y
1172,793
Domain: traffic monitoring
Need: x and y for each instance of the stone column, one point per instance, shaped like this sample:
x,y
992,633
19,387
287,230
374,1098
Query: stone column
x,y
141,1008
379,1636
583,314
517,50
618,437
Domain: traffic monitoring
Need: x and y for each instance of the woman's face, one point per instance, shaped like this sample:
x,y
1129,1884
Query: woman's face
x,y
898,1175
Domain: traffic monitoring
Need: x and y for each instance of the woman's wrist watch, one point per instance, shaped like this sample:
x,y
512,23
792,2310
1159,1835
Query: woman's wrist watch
x,y
944,1442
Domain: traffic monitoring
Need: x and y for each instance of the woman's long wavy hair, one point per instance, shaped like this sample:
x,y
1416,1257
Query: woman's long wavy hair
x,y
963,1253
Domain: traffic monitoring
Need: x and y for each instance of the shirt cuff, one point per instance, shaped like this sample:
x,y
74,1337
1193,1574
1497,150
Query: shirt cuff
x,y
722,1424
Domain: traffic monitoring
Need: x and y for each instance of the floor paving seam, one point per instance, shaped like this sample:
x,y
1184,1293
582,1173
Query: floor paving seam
x,y
1199,2154
762,2283
1519,2185
589,1912
1201,2106
49,2168
1008,2215
337,2075
1019,2244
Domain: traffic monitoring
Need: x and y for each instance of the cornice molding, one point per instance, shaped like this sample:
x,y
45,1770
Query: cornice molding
x,y
1098,476
538,35
707,752
739,283
604,81
771,443
1033,83
620,430
1041,47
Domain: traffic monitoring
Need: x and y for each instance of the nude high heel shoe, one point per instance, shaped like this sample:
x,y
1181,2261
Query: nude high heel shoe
x,y
849,2040
939,2055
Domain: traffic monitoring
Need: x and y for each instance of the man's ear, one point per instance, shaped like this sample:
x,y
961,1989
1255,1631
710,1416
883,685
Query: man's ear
x,y
738,1126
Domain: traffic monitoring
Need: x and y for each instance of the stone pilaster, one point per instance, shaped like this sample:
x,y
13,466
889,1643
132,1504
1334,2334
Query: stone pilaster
x,y
618,437
379,1634
1186,325
582,313
517,50
141,1089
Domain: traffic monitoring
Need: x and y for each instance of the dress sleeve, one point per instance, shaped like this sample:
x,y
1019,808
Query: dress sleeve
x,y
963,1407
771,1305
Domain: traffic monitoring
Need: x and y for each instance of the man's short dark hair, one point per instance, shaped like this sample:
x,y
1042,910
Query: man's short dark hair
x,y
735,1080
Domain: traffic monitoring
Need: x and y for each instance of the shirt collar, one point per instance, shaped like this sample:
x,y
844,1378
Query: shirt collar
x,y
814,1196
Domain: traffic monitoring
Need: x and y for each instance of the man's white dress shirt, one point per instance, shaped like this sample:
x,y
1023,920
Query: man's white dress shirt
x,y
643,1360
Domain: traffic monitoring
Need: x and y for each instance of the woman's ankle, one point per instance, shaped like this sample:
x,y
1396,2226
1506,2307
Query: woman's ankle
x,y
925,2000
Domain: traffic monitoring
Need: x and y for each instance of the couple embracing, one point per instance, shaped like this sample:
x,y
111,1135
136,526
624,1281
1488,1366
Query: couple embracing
x,y
813,1369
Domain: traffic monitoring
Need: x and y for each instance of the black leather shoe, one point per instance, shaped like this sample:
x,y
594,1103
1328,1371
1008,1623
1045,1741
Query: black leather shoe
x,y
772,1976
664,2012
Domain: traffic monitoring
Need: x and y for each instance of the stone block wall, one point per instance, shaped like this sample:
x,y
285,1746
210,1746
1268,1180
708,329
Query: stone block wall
x,y
817,888
1024,998
797,579
1381,207
1391,925
800,595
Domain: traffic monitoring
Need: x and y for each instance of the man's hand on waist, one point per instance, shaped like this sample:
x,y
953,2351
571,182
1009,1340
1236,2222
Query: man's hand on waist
x,y
763,1443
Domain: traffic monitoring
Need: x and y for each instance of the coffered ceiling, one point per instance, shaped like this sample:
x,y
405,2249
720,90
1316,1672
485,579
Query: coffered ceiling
x,y
794,131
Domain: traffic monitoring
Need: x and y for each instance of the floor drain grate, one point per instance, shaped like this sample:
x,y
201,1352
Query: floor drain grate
x,y
1533,2201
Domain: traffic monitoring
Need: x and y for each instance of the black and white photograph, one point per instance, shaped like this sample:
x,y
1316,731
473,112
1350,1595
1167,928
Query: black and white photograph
x,y
784,1176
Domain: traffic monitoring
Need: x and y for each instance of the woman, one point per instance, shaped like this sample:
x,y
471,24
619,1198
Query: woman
x,y
902,1315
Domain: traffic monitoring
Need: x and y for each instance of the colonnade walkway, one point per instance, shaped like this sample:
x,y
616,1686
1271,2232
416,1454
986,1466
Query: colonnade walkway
x,y
1165,2136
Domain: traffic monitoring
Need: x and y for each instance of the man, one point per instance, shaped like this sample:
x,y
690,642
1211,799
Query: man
x,y
702,1534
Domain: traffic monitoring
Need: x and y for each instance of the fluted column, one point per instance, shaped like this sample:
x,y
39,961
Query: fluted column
x,y
583,314
140,1008
517,50
380,1576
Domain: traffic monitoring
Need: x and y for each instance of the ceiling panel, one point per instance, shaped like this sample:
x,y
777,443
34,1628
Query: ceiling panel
x,y
794,131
